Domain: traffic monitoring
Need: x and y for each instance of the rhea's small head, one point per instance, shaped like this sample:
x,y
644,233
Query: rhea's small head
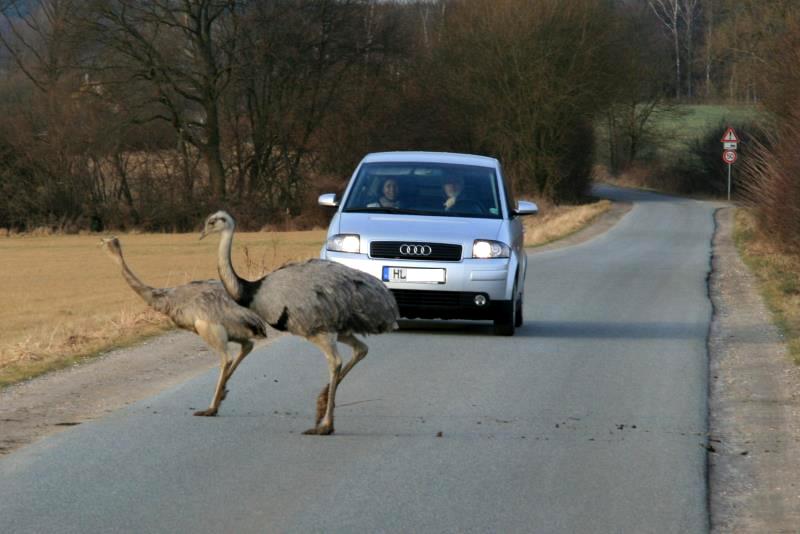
x,y
217,222
111,246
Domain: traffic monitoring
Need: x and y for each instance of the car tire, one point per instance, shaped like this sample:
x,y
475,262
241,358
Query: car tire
x,y
505,320
518,319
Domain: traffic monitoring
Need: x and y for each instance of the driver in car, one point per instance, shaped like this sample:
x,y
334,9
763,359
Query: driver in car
x,y
388,199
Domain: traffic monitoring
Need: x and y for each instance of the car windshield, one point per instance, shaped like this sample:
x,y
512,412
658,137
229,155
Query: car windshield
x,y
426,189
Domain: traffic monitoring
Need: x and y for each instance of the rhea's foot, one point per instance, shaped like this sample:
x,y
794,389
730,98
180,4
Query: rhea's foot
x,y
321,430
211,412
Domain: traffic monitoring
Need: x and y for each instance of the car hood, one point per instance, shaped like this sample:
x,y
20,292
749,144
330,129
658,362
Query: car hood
x,y
392,227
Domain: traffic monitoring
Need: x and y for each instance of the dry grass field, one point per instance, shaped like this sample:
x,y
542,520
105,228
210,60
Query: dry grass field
x,y
65,300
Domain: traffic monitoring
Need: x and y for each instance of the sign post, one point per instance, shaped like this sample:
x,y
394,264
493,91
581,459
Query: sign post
x,y
730,143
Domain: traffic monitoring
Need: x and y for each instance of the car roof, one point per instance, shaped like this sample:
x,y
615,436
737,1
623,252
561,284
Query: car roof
x,y
430,157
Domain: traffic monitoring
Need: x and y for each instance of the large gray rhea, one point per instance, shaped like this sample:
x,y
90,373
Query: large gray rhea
x,y
319,300
202,307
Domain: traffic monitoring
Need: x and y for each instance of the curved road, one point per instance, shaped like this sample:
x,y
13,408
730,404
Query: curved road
x,y
591,419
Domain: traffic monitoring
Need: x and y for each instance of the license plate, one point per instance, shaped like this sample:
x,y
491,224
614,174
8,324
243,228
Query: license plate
x,y
411,274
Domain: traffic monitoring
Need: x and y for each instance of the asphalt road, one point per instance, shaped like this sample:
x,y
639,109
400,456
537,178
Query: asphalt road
x,y
591,419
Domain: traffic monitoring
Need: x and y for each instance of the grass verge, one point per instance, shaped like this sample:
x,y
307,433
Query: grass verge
x,y
778,276
557,222
65,300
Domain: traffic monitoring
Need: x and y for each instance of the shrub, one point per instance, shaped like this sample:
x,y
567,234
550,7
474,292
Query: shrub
x,y
772,186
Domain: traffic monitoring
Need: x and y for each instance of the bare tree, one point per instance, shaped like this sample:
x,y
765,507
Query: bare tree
x,y
523,79
41,38
688,13
709,14
300,62
176,60
641,66
430,14
55,131
668,12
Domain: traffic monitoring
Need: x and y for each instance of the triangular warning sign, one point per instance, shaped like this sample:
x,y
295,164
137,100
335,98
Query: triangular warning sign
x,y
730,136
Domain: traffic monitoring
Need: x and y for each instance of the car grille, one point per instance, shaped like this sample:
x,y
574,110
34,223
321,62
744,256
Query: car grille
x,y
437,299
391,249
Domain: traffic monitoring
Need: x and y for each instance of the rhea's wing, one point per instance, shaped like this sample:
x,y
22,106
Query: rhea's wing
x,y
208,301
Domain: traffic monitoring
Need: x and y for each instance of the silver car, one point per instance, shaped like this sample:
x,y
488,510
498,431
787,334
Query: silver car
x,y
441,230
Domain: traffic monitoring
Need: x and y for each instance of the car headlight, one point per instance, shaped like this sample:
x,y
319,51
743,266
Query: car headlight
x,y
344,243
484,249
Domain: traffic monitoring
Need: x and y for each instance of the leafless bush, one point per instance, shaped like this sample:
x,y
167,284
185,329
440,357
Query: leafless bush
x,y
772,186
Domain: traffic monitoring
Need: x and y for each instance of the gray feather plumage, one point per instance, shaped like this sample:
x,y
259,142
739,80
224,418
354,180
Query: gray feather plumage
x,y
308,298
323,296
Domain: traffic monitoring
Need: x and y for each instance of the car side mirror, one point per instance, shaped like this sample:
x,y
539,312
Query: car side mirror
x,y
526,208
329,200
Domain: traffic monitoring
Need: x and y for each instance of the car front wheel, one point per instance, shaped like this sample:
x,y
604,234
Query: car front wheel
x,y
506,319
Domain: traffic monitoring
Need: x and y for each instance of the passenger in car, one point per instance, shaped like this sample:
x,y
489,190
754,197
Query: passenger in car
x,y
452,187
389,198
457,201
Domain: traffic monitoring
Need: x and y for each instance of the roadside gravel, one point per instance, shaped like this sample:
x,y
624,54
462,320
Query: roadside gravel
x,y
754,441
47,404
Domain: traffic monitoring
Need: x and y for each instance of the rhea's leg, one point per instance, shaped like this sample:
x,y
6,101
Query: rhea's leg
x,y
246,347
327,344
216,336
360,350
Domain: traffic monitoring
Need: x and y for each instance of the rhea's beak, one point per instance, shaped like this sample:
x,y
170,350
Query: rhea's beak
x,y
203,233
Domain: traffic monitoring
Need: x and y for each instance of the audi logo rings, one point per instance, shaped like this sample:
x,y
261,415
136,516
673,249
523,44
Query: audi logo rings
x,y
415,250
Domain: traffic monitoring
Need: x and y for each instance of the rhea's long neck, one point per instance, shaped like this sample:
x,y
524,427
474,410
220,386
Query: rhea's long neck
x,y
233,284
143,290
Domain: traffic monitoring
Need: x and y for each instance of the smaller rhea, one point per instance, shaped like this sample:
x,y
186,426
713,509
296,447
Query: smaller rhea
x,y
202,307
